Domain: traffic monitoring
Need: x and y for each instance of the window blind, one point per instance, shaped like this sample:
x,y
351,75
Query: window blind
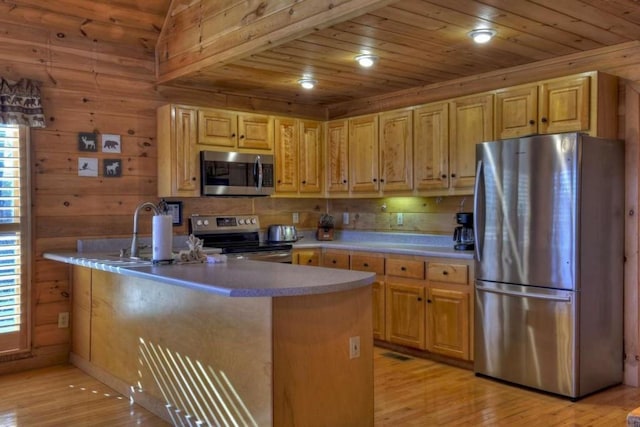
x,y
13,236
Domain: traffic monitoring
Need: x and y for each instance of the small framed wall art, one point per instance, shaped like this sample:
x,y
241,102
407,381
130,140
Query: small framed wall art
x,y
87,141
175,210
112,168
87,166
111,143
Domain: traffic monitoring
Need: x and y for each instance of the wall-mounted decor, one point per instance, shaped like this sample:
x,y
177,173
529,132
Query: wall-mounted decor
x,y
112,168
111,143
87,141
87,166
175,210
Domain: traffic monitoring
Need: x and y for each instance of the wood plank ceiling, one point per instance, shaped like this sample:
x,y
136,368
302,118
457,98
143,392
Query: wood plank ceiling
x,y
418,42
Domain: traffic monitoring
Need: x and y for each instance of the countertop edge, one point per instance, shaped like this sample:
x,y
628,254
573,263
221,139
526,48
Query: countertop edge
x,y
344,279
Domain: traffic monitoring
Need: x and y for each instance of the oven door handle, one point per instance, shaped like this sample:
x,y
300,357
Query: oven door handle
x,y
257,173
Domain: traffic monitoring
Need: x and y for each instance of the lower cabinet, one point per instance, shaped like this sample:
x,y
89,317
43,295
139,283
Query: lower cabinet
x,y
424,303
448,319
406,314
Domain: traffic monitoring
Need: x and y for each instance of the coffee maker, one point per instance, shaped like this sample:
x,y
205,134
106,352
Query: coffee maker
x,y
463,233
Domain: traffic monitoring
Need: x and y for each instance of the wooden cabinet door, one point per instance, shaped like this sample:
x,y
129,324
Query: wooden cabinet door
x,y
338,156
470,122
184,153
431,147
516,112
405,314
217,128
306,257
255,132
81,312
378,304
448,325
564,105
396,150
286,155
363,154
310,157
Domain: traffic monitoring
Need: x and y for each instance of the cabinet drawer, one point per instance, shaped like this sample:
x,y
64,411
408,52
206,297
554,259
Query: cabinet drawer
x,y
409,268
335,260
448,273
367,263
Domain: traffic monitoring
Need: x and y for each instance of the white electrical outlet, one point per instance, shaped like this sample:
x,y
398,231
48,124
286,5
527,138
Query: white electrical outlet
x,y
295,217
400,218
63,320
354,347
345,218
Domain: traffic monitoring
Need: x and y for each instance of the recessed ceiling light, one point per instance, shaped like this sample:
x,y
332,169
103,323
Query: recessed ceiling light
x,y
482,35
366,60
307,83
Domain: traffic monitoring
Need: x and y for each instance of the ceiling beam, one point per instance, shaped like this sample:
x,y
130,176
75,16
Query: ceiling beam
x,y
188,45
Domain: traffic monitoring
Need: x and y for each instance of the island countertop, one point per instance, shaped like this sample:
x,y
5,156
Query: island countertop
x,y
234,278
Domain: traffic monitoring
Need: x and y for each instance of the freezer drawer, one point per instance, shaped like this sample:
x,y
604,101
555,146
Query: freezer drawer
x,y
526,335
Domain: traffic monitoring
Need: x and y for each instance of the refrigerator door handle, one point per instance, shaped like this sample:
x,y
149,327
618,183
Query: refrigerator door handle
x,y
476,212
524,294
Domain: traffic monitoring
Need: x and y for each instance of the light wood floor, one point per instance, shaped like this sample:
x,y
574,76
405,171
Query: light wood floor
x,y
413,392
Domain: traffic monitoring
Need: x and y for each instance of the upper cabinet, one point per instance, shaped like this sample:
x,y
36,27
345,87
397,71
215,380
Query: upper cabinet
x,y
337,156
582,103
179,174
396,150
363,154
431,147
229,130
380,153
470,122
298,156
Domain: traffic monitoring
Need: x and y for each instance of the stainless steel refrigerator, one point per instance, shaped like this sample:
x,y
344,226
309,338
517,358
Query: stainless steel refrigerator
x,y
549,262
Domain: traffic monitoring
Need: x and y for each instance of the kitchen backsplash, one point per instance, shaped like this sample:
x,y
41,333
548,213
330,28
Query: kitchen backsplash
x,y
431,215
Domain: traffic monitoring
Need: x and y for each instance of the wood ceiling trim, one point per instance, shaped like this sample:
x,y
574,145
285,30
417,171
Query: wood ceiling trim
x,y
605,59
301,18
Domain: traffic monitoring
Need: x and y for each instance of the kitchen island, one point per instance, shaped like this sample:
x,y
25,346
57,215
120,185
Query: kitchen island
x,y
241,342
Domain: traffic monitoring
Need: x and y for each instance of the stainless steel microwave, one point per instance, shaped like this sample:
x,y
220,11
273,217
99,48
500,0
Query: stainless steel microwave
x,y
236,174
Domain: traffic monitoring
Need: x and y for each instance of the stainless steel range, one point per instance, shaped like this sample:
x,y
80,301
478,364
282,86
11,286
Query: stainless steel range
x,y
238,236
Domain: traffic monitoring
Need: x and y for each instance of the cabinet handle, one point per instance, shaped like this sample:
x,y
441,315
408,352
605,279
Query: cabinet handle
x,y
366,264
403,268
429,301
304,182
344,181
381,179
453,175
543,120
233,135
309,261
375,180
279,181
419,298
193,178
532,122
444,273
444,176
333,261
241,136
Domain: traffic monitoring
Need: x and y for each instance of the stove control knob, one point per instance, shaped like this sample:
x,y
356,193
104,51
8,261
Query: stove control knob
x,y
199,222
206,222
241,221
254,221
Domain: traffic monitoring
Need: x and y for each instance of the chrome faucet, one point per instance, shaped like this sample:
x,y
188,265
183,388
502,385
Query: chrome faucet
x,y
135,253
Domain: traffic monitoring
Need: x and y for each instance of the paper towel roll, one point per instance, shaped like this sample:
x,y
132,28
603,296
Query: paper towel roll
x,y
162,237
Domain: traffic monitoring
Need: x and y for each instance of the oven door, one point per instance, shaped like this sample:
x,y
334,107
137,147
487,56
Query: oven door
x,y
283,257
235,174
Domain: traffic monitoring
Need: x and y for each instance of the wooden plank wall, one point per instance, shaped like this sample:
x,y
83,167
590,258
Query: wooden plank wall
x,y
87,86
